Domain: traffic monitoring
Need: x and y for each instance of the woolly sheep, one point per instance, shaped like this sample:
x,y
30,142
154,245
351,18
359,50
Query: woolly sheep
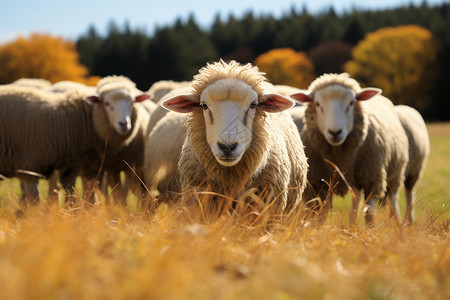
x,y
162,87
66,85
38,83
125,147
60,131
364,139
232,144
419,149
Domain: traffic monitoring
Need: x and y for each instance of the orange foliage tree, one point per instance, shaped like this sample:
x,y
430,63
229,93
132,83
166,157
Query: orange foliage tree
x,y
286,66
42,56
400,60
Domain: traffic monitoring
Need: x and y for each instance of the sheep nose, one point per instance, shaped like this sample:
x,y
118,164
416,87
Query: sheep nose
x,y
335,134
123,125
227,149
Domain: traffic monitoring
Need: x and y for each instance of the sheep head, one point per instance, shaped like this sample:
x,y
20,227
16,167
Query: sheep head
x,y
118,104
228,108
335,109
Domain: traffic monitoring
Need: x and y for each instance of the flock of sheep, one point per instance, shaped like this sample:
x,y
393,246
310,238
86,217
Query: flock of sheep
x,y
228,132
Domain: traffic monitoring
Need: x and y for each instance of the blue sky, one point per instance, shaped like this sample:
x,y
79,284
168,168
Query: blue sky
x,y
70,19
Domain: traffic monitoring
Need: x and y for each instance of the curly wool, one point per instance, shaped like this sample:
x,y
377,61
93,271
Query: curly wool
x,y
113,82
248,74
274,161
373,156
342,79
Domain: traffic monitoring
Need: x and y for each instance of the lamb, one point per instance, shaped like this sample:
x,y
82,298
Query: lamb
x,y
61,132
364,139
419,150
232,144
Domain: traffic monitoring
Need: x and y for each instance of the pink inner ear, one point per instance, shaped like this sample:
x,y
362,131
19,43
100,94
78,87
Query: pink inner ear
x,y
366,94
141,98
93,99
180,103
274,103
304,98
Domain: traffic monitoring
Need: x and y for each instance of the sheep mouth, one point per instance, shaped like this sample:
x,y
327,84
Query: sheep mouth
x,y
228,161
336,141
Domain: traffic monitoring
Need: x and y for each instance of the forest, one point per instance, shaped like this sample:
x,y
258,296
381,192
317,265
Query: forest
x,y
405,50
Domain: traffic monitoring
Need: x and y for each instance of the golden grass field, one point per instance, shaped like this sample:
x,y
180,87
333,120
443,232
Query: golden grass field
x,y
179,252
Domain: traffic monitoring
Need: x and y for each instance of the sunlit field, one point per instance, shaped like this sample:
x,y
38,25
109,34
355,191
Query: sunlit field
x,y
186,252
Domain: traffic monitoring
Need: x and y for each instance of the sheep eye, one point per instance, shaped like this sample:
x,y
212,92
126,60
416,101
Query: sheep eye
x,y
253,104
351,103
204,106
317,104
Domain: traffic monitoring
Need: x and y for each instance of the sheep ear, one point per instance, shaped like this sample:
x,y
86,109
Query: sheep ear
x,y
141,98
303,97
367,93
183,103
274,103
93,99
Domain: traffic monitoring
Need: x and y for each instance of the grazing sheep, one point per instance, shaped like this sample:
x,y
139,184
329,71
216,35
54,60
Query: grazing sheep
x,y
233,145
60,132
364,139
419,149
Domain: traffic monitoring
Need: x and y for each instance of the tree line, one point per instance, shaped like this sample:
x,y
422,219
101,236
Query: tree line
x,y
313,43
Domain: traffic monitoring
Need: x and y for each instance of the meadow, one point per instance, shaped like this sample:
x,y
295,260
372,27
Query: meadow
x,y
185,252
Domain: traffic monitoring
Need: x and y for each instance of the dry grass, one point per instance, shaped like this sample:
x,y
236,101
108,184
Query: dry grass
x,y
186,252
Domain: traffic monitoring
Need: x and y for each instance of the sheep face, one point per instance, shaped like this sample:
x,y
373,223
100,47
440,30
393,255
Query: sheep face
x,y
228,107
335,110
118,104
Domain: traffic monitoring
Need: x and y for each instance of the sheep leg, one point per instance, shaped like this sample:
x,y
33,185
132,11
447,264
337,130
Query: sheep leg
x,y
409,217
356,196
395,208
68,183
53,189
30,189
369,210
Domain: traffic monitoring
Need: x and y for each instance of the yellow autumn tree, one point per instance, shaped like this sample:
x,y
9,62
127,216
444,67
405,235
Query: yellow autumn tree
x,y
42,56
286,66
400,60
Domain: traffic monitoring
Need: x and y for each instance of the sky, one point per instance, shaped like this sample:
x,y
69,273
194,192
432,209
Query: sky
x,y
70,19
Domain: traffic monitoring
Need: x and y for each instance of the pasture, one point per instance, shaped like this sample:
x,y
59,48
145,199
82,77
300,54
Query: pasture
x,y
183,252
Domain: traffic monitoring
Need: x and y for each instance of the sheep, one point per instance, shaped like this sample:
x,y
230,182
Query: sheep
x,y
61,131
38,83
419,150
162,150
162,87
125,147
66,85
364,139
41,132
232,144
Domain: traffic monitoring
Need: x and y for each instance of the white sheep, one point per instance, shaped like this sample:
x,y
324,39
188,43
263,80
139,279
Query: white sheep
x,y
164,140
38,83
233,145
419,150
125,147
162,87
60,132
364,139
